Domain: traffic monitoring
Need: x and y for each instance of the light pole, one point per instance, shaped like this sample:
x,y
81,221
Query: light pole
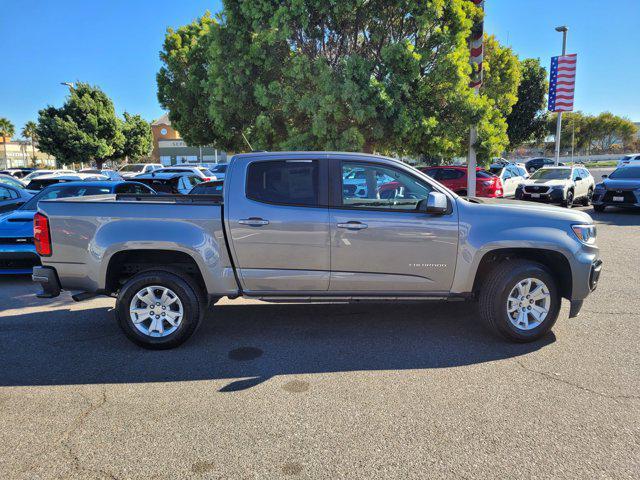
x,y
564,29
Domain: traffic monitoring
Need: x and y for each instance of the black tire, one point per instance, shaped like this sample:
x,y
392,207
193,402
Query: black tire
x,y
184,287
568,202
599,208
496,289
586,201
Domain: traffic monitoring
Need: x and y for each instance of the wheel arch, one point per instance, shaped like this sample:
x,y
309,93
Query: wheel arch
x,y
556,262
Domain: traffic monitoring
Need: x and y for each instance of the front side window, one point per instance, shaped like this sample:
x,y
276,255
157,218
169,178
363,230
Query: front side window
x,y
286,182
382,188
5,193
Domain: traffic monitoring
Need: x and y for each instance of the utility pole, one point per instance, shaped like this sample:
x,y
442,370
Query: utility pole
x,y
564,29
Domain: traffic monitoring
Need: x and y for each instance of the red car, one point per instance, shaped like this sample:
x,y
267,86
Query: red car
x,y
455,178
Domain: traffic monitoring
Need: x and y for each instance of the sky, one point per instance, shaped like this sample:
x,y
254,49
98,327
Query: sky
x,y
115,44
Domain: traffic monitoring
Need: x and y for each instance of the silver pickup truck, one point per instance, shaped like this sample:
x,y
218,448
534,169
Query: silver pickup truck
x,y
315,227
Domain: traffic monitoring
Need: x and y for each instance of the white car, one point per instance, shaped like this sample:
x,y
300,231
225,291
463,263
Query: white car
x,y
43,181
563,185
203,172
132,169
631,159
511,175
110,174
40,173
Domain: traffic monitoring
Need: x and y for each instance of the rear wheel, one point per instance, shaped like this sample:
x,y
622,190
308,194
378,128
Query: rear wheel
x,y
586,201
159,309
520,300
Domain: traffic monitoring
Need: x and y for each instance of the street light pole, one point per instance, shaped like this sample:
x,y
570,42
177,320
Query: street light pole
x,y
71,85
564,29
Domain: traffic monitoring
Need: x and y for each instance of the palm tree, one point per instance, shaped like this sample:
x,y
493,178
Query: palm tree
x,y
29,132
6,130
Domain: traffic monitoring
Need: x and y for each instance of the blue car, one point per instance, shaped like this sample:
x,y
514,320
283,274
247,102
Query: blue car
x,y
17,251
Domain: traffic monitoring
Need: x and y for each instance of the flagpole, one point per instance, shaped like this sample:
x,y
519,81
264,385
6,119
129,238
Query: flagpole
x,y
476,48
564,30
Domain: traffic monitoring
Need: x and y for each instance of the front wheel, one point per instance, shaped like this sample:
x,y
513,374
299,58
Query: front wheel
x,y
568,201
520,300
159,309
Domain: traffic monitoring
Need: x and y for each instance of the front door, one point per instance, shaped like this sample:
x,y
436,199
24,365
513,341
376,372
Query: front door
x,y
278,222
381,243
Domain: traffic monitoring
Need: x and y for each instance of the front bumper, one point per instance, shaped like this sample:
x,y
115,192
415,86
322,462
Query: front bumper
x,y
47,277
554,196
605,198
17,258
594,277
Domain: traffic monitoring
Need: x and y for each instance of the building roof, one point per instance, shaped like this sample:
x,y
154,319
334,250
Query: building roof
x,y
163,120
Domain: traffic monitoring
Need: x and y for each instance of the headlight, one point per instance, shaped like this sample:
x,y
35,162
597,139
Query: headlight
x,y
585,233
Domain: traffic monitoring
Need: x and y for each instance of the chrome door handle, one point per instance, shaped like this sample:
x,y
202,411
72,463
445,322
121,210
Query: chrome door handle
x,y
253,222
353,225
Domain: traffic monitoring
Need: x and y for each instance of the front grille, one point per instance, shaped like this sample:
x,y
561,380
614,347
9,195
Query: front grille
x,y
10,264
628,196
16,241
536,189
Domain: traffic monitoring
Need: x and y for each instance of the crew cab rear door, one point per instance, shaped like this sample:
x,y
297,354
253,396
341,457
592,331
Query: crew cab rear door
x,y
380,242
277,218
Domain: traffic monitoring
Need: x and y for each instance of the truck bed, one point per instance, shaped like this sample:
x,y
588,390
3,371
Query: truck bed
x,y
88,231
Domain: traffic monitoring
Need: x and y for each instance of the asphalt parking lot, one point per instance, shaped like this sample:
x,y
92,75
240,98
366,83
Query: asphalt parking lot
x,y
326,391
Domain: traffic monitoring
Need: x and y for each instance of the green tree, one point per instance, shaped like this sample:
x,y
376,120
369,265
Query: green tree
x,y
29,133
7,129
593,134
138,138
500,86
85,128
182,78
375,76
527,120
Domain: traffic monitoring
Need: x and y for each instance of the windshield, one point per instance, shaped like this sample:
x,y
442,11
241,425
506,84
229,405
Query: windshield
x,y
219,169
626,173
134,167
496,170
11,181
552,174
62,191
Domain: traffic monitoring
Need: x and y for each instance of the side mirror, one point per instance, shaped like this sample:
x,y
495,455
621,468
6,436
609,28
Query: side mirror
x,y
605,176
435,204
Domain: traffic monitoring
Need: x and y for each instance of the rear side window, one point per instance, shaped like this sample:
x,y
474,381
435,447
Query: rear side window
x,y
286,182
451,174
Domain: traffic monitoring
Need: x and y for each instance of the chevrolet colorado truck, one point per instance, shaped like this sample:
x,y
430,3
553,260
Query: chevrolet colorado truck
x,y
290,228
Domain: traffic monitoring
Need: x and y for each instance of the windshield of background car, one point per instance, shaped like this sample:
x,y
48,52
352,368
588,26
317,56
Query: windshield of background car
x,y
63,192
626,173
135,167
219,169
552,174
496,170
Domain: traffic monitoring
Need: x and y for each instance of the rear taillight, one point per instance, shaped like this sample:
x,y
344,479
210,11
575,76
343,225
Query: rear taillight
x,y
41,235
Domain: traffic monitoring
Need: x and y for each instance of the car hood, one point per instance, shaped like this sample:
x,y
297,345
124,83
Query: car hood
x,y
17,224
544,183
623,184
529,213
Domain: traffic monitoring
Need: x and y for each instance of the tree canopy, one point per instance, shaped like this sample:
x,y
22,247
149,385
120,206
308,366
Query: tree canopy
x,y
7,129
87,129
375,76
527,120
593,133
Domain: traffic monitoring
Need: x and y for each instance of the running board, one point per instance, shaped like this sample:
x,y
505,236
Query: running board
x,y
350,299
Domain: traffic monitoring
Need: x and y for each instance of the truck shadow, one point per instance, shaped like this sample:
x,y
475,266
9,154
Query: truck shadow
x,y
248,344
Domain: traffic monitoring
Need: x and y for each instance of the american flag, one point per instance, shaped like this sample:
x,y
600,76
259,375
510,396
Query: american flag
x,y
562,83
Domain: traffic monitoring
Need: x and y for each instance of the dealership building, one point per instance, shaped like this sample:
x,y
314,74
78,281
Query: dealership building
x,y
170,149
21,154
